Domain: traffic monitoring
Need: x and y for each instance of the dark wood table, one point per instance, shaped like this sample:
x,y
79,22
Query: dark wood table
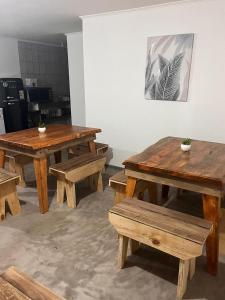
x,y
31,143
201,170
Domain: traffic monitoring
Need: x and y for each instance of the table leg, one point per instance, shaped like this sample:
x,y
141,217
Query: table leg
x,y
131,185
2,158
92,146
130,189
58,157
92,149
40,168
211,213
153,192
165,191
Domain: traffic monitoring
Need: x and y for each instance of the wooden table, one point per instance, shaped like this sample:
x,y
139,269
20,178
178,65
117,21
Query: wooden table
x,y
39,146
201,170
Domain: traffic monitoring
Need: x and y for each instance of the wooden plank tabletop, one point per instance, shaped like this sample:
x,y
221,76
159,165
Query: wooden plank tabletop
x,y
177,223
55,134
204,163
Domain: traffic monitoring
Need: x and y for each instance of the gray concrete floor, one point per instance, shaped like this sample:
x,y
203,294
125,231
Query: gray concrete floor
x,y
73,252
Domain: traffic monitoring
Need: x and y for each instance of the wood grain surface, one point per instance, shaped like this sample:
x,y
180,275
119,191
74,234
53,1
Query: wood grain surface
x,y
204,163
174,222
29,288
74,163
9,292
55,134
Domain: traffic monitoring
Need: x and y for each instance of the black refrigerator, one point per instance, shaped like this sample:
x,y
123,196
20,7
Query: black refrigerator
x,y
13,100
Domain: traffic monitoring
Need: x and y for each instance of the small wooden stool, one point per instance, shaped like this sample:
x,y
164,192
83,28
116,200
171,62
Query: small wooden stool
x,y
18,286
17,163
8,182
172,232
76,169
118,183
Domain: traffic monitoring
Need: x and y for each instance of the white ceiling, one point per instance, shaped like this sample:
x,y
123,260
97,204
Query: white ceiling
x,y
48,20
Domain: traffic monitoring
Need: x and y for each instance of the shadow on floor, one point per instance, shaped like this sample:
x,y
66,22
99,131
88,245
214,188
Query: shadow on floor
x,y
165,266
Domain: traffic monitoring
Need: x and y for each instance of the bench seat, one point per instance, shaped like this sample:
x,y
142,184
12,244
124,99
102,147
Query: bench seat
x,y
84,148
172,232
17,285
76,169
118,182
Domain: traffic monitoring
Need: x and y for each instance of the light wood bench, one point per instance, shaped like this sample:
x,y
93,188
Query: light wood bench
x,y
172,232
18,286
118,183
76,169
17,162
8,182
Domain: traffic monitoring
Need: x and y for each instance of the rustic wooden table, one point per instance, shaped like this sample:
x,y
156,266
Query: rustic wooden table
x,y
201,170
31,143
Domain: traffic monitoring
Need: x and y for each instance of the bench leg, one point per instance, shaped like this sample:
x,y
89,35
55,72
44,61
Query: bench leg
x,y
11,196
123,243
2,158
20,170
90,180
99,182
14,204
60,191
71,194
2,207
134,246
95,182
17,168
12,165
100,151
192,268
182,278
119,196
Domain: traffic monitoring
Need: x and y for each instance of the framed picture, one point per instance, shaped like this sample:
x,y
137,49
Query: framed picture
x,y
168,67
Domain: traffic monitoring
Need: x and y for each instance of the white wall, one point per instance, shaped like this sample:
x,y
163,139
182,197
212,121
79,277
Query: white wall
x,y
114,62
9,58
76,77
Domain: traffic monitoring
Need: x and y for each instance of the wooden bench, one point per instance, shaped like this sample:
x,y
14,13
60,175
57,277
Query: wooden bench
x,y
74,170
118,183
172,232
18,286
83,148
8,182
17,163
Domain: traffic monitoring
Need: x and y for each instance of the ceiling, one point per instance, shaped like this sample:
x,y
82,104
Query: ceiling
x,y
48,20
